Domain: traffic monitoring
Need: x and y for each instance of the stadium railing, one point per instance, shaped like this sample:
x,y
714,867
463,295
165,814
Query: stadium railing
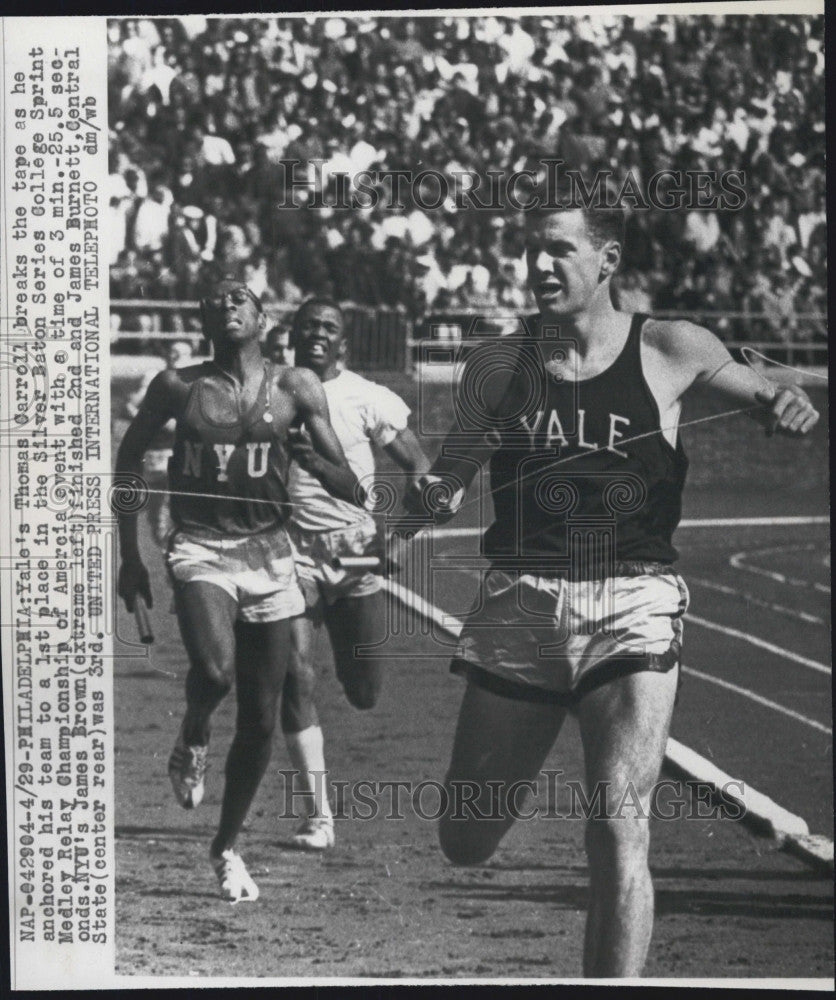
x,y
377,336
387,339
450,328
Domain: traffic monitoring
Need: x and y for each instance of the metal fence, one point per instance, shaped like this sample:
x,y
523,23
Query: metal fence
x,y
377,337
806,342
382,339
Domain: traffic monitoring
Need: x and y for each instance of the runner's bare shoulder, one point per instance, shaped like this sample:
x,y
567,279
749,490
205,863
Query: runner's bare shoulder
x,y
170,387
300,383
680,351
676,339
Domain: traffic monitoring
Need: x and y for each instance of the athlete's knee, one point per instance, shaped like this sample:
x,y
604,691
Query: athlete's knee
x,y
210,672
361,682
363,694
470,829
617,843
464,842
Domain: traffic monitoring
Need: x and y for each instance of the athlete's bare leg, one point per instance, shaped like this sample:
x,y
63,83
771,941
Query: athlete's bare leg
x,y
624,727
497,740
261,659
300,721
353,622
206,614
298,707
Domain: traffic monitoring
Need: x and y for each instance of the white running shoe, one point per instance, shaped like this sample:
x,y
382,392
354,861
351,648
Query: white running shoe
x,y
187,769
315,834
236,884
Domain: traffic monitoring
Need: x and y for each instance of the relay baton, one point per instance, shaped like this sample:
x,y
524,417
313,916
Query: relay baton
x,y
143,621
356,562
422,484
391,563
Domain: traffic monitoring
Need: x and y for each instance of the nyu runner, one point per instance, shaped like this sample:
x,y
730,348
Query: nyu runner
x,y
177,354
229,557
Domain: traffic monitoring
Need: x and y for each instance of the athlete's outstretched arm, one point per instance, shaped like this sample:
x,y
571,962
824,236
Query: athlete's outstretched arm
x,y
407,452
702,360
462,456
471,440
317,448
154,411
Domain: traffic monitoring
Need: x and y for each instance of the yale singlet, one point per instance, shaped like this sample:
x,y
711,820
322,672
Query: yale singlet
x,y
612,501
238,459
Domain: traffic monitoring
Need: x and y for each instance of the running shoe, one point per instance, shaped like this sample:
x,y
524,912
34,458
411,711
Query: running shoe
x,y
315,834
187,769
233,878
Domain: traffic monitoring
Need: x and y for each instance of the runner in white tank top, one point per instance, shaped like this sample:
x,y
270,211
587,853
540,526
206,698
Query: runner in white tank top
x,y
349,602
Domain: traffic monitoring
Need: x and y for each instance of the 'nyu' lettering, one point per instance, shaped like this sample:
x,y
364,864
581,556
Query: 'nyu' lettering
x,y
192,451
257,467
224,453
257,454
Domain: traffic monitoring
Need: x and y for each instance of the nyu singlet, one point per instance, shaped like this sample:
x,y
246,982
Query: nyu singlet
x,y
572,495
228,470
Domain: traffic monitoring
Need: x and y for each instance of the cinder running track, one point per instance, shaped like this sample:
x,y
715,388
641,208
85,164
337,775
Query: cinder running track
x,y
385,903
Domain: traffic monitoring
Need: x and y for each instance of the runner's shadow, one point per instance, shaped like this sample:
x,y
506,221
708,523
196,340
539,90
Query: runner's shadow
x,y
163,833
145,675
538,867
704,903
566,896
711,902
715,874
180,893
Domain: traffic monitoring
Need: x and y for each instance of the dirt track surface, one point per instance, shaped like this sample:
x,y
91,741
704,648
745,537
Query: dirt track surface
x,y
384,903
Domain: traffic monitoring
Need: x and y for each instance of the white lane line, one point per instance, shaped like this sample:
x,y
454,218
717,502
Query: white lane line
x,y
780,820
790,832
750,522
786,828
721,588
696,522
448,623
759,699
738,561
453,626
787,654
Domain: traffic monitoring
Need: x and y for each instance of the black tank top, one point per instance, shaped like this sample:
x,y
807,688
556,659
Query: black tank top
x,y
568,496
239,462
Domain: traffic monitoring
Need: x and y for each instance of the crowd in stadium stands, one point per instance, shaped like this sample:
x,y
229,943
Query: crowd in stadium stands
x,y
203,111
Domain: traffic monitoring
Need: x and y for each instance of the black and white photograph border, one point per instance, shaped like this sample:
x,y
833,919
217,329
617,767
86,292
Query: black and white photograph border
x,y
468,410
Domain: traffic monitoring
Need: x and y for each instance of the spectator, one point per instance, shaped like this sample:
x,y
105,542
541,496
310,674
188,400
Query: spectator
x,y
209,107
702,231
151,222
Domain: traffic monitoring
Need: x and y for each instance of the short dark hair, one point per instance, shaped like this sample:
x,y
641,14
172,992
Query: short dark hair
x,y
315,300
604,221
320,300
